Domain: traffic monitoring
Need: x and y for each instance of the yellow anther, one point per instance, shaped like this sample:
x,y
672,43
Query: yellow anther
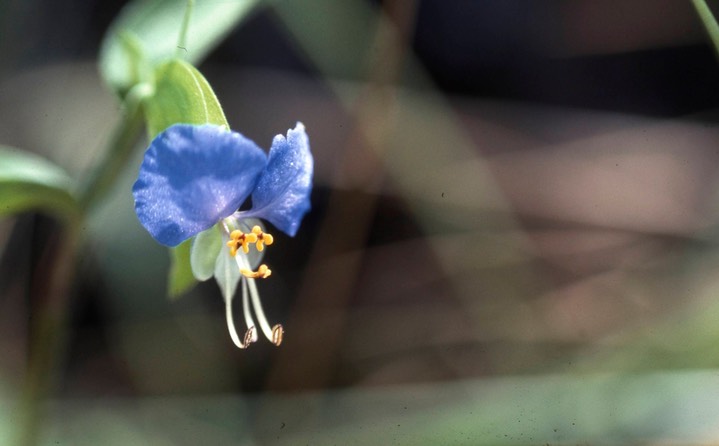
x,y
262,272
239,238
263,238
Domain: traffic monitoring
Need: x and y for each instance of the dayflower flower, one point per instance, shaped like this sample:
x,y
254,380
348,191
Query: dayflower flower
x,y
193,181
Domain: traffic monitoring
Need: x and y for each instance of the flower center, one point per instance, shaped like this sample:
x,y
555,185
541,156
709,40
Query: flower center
x,y
239,239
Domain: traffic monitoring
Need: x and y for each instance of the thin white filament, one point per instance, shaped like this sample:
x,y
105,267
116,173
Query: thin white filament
x,y
246,310
231,323
243,263
257,305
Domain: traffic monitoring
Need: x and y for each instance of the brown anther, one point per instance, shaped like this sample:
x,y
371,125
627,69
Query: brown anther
x,y
277,334
248,339
262,272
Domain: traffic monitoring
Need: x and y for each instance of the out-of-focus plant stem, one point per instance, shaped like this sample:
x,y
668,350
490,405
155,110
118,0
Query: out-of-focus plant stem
x,y
373,111
56,270
709,21
53,278
119,149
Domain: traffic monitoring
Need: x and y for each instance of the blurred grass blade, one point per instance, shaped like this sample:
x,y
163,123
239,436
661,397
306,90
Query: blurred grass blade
x,y
352,25
155,26
29,182
182,95
709,21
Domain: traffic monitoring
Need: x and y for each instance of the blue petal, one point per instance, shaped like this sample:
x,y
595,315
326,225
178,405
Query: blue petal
x,y
282,195
193,176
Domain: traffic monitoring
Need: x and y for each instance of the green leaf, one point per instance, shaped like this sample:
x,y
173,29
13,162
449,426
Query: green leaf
x,y
182,95
28,181
205,249
180,279
155,26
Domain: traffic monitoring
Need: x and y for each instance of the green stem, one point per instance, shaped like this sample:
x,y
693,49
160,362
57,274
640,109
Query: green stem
x,y
709,21
120,149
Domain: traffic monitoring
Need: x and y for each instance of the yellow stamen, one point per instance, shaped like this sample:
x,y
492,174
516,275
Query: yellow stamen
x,y
262,272
263,238
240,239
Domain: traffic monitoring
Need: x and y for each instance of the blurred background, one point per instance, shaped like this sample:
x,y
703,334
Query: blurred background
x,y
513,237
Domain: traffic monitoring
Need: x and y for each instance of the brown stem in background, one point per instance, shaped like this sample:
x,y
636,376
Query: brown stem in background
x,y
313,357
50,298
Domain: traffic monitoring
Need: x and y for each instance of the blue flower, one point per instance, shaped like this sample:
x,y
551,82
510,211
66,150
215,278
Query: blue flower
x,y
194,176
192,182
